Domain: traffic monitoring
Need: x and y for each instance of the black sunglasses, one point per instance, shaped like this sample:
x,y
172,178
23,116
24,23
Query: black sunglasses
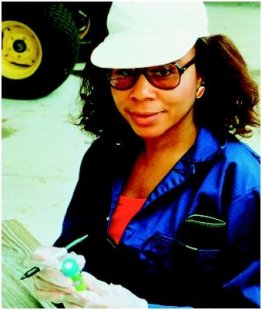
x,y
163,77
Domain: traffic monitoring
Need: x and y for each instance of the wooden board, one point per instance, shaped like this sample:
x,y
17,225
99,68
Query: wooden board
x,y
17,245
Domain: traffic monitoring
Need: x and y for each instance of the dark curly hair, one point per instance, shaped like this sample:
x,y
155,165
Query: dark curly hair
x,y
231,98
227,106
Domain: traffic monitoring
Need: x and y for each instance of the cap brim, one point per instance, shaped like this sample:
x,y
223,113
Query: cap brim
x,y
138,52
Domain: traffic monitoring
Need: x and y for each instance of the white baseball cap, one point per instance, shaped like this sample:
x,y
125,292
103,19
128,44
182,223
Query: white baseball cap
x,y
149,33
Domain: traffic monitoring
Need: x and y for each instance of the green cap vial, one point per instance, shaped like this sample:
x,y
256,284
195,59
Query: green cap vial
x,y
71,269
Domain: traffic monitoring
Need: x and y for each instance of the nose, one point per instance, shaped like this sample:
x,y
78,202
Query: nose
x,y
142,90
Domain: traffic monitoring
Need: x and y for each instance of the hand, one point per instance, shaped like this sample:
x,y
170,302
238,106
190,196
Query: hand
x,y
103,295
50,284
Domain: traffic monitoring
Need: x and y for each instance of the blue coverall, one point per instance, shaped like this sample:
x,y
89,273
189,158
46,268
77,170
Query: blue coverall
x,y
196,240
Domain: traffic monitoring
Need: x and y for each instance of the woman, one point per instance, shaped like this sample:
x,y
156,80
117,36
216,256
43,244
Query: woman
x,y
167,193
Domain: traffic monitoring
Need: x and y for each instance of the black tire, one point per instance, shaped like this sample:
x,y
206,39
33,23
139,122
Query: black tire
x,y
56,30
94,16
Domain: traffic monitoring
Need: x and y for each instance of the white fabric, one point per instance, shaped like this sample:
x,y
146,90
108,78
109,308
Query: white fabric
x,y
145,33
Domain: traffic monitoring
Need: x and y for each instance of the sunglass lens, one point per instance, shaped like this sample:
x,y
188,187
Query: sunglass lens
x,y
164,77
121,78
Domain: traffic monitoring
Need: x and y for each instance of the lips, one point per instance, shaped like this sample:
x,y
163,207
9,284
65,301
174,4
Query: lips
x,y
144,118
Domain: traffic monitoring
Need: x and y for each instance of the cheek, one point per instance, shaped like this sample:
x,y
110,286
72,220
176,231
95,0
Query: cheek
x,y
118,99
186,92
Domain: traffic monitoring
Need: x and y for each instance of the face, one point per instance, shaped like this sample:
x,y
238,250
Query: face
x,y
155,113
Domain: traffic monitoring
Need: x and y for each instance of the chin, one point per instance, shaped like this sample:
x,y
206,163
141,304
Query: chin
x,y
148,134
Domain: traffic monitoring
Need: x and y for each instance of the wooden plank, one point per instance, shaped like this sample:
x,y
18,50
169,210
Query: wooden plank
x,y
17,245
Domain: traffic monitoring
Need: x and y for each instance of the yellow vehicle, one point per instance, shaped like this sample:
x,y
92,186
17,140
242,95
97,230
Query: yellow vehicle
x,y
42,42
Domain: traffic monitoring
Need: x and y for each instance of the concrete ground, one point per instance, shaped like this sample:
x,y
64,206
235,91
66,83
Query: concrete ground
x,y
42,150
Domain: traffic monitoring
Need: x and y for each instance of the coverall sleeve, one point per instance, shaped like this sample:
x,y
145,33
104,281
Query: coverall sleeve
x,y
92,193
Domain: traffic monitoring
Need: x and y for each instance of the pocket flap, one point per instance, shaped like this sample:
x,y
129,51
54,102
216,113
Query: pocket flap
x,y
203,232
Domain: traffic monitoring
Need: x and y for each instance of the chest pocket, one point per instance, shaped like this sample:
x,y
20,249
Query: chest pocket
x,y
193,256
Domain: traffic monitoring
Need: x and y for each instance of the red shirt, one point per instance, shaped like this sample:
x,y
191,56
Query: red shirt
x,y
125,210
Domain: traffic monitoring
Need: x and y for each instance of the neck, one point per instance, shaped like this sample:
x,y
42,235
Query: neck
x,y
177,140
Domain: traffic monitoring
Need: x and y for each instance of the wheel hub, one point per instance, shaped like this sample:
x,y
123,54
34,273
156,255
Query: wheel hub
x,y
19,46
21,50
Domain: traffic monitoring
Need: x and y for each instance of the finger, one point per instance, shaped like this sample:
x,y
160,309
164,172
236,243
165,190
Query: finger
x,y
54,278
43,253
93,283
84,299
56,297
43,286
45,257
70,305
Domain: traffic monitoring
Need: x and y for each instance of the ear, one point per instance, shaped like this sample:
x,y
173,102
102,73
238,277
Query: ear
x,y
200,90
